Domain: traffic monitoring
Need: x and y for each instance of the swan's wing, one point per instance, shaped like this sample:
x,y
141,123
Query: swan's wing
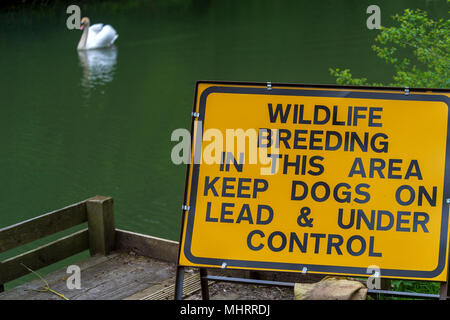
x,y
112,34
104,38
96,28
92,34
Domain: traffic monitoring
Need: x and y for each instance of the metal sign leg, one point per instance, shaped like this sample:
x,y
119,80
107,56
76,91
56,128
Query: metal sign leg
x,y
204,283
443,293
179,283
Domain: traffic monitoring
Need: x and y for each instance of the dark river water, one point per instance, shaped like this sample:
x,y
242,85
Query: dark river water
x,y
76,125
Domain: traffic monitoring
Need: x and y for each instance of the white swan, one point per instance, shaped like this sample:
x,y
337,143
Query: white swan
x,y
96,36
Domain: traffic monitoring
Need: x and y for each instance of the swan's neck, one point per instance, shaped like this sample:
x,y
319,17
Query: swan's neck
x,y
83,39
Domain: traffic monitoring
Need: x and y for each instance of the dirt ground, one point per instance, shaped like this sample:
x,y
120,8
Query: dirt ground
x,y
235,291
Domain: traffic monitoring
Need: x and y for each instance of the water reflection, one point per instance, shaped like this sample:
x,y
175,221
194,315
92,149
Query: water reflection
x,y
98,66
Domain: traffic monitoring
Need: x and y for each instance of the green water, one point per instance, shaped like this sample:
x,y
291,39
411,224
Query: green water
x,y
73,126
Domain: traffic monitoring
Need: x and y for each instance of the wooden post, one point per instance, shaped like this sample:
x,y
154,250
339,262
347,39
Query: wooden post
x,y
101,225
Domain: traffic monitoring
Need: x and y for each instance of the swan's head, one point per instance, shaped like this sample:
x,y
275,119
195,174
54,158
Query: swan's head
x,y
84,22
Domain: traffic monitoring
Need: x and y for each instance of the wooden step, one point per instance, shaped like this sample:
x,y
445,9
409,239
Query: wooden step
x,y
166,289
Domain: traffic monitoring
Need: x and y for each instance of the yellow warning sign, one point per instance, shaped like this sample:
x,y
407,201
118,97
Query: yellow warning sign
x,y
318,179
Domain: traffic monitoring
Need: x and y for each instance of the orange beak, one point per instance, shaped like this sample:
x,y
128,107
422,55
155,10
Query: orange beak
x,y
82,26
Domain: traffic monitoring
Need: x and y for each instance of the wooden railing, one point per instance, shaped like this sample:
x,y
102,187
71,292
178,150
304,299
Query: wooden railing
x,y
98,237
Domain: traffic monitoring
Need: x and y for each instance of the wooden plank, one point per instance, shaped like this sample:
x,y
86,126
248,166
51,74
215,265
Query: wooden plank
x,y
111,277
57,281
43,256
165,289
42,226
101,225
148,246
121,277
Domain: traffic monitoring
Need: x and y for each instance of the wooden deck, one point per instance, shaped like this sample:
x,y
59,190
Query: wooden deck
x,y
119,275
123,264
124,276
113,277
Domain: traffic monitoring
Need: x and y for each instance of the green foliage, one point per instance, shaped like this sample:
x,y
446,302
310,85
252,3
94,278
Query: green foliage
x,y
415,286
418,49
345,77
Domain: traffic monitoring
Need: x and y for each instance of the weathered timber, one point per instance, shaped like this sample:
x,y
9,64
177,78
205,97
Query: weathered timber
x,y
99,238
43,256
113,277
165,290
148,246
101,225
124,265
42,226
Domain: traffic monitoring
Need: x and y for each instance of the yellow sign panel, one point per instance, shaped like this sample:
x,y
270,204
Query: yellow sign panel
x,y
318,179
